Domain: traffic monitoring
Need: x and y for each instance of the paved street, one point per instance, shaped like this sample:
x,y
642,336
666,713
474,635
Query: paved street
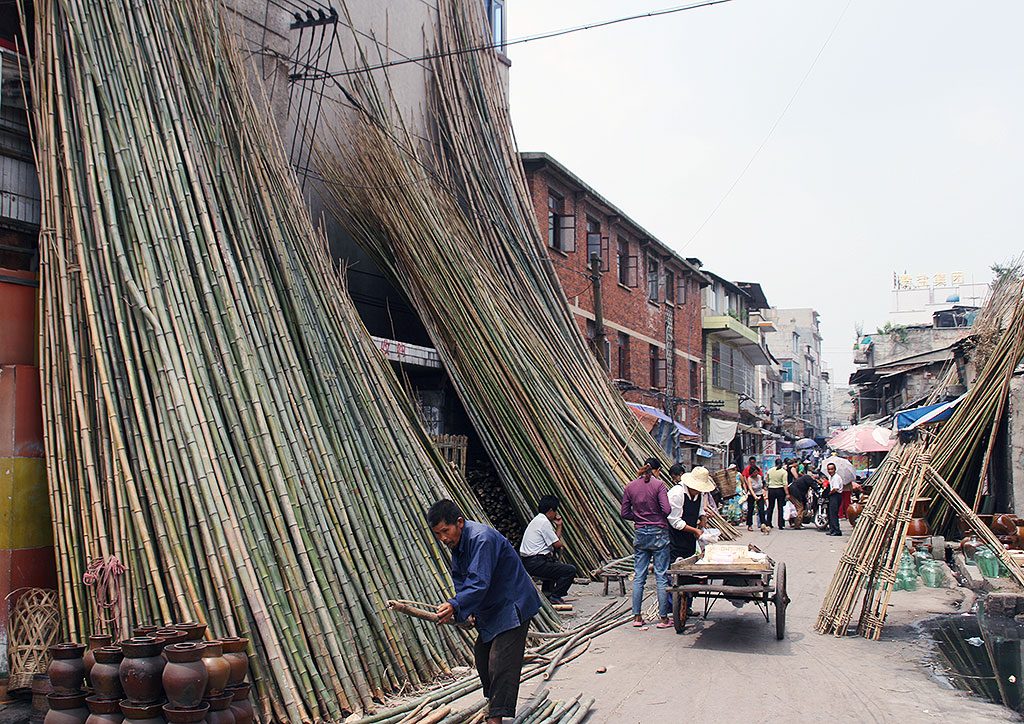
x,y
731,668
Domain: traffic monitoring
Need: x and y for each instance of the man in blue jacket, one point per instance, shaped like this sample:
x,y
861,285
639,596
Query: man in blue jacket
x,y
492,586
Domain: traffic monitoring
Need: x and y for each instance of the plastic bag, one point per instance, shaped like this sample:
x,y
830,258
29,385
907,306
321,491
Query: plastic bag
x,y
711,535
789,511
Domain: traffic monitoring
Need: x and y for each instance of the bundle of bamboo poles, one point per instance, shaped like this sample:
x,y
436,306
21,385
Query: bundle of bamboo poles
x,y
216,416
946,462
550,651
452,221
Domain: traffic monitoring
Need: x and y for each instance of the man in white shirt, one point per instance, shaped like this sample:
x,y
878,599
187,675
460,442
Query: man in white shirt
x,y
835,499
543,536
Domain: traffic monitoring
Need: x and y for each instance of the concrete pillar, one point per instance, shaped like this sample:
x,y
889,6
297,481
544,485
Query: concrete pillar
x,y
1015,443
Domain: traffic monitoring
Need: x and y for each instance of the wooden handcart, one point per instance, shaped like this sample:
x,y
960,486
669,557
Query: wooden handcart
x,y
764,584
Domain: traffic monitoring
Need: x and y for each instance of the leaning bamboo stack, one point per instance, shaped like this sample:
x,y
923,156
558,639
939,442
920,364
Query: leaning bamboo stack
x,y
453,223
216,416
960,448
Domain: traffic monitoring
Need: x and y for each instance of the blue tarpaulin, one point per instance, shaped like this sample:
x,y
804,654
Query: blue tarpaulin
x,y
910,419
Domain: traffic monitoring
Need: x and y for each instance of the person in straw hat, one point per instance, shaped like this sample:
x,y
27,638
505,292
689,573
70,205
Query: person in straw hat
x,y
686,520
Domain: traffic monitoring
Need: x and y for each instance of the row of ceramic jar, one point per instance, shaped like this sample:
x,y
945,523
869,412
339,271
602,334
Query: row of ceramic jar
x,y
232,706
157,664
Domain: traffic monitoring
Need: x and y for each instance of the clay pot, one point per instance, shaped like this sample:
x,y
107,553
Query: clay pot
x,y
89,658
194,631
185,676
969,546
1004,524
67,668
234,652
106,674
168,636
220,709
40,689
142,713
66,709
141,670
146,630
179,715
241,707
853,511
103,711
918,527
218,669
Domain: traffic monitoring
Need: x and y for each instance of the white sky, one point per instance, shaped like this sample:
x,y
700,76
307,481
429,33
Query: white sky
x,y
901,152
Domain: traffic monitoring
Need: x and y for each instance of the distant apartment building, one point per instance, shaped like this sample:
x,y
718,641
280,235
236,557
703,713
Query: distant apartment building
x,y
796,344
736,355
651,297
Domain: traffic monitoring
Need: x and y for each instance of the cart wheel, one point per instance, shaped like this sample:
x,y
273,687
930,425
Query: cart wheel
x,y
781,601
679,611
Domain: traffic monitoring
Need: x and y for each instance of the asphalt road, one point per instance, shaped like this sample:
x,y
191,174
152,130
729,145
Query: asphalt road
x,y
732,668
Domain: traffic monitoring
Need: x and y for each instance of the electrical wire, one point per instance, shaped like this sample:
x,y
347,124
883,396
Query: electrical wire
x,y
529,38
771,130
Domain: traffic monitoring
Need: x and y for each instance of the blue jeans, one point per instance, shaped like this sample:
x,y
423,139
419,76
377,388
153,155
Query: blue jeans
x,y
651,542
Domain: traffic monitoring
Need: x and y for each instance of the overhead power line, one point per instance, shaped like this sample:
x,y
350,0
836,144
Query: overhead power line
x,y
771,130
528,38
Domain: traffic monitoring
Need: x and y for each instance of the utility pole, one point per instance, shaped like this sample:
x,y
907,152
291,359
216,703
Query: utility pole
x,y
599,335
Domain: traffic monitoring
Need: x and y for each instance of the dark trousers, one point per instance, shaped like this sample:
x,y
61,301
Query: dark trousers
x,y
555,577
499,662
776,497
834,501
750,510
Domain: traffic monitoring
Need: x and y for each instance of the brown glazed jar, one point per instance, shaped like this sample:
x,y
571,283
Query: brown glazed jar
x,y
103,711
40,689
218,669
142,713
194,631
220,709
66,709
168,636
106,674
146,630
241,707
141,670
234,652
185,675
66,669
179,715
89,658
917,528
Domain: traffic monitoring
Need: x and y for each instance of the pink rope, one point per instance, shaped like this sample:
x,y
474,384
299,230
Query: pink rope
x,y
102,576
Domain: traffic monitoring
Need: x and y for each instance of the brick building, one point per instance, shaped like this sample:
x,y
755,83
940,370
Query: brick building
x,y
651,296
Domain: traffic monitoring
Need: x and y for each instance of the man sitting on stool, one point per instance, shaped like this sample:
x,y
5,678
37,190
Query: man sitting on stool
x,y
542,538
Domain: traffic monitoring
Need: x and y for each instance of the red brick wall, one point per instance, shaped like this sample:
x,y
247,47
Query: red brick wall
x,y
625,307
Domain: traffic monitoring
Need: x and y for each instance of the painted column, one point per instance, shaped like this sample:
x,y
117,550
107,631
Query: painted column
x,y
26,530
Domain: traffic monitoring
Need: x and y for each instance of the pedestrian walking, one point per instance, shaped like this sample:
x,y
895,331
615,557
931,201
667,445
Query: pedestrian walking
x,y
753,484
493,588
777,482
542,541
645,503
835,499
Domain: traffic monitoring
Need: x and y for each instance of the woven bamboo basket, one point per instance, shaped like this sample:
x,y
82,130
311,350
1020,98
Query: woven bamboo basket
x,y
33,628
726,483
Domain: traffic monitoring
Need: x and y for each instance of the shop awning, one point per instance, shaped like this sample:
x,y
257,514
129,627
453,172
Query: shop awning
x,y
911,419
648,413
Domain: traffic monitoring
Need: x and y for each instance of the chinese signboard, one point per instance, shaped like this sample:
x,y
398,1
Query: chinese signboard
x,y
927,281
